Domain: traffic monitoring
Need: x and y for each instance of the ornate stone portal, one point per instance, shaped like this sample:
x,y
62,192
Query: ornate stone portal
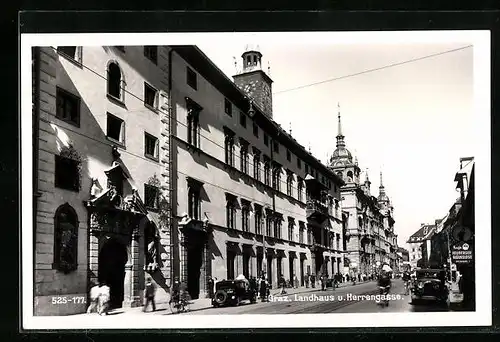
x,y
115,241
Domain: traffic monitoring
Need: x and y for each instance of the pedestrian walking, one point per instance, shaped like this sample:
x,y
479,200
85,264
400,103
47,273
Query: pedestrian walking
x,y
263,289
210,287
149,294
282,283
94,297
313,281
103,299
295,281
308,279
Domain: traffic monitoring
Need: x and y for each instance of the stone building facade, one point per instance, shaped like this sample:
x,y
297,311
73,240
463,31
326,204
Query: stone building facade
x,y
370,235
101,176
247,198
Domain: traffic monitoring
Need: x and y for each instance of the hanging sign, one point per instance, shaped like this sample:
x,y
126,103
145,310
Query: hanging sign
x,y
461,253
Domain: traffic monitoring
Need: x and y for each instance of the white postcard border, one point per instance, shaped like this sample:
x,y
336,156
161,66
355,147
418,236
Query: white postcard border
x,y
481,317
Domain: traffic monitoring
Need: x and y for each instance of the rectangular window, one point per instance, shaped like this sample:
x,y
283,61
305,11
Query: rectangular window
x,y
267,174
243,120
67,174
288,155
194,203
266,139
115,129
301,232
338,242
228,107
276,147
151,196
229,150
68,107
193,120
307,168
73,53
290,229
269,221
244,159
151,146
231,214
299,163
258,220
300,190
191,78
151,53
255,130
150,96
277,228
289,184
256,167
245,217
276,179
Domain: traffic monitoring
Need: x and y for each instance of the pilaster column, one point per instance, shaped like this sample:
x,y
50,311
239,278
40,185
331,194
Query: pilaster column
x,y
93,257
133,270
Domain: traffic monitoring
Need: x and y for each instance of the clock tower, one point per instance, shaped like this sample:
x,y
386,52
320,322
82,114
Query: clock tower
x,y
254,81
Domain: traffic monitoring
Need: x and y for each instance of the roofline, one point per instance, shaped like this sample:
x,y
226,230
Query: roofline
x,y
239,97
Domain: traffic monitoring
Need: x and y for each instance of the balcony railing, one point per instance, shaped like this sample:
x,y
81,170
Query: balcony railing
x,y
316,208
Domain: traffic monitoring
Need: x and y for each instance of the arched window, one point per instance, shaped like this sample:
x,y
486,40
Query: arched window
x,y
114,80
349,176
339,174
65,239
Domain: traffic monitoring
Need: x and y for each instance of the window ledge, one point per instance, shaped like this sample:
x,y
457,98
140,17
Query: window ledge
x,y
116,142
153,109
116,100
152,158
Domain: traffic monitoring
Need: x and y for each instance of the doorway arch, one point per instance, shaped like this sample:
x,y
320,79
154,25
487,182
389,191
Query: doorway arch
x,y
112,259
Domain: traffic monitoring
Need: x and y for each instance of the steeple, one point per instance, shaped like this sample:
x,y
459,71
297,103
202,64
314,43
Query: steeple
x,y
367,179
340,137
382,196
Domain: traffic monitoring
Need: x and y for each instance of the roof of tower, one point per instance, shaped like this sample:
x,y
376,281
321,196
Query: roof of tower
x,y
341,155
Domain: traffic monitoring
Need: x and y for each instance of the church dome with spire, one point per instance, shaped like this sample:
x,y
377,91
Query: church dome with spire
x,y
341,155
382,197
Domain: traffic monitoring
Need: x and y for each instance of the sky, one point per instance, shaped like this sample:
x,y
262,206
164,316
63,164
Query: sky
x,y
410,121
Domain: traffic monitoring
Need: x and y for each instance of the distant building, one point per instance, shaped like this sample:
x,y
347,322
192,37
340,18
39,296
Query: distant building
x,y
420,245
370,235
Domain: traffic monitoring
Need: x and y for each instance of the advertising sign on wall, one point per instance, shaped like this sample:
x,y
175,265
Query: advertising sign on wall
x,y
461,253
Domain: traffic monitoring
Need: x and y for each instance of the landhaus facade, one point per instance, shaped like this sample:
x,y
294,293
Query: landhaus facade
x,y
101,138
247,197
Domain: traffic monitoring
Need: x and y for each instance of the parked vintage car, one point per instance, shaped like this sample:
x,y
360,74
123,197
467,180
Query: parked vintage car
x,y
429,285
232,292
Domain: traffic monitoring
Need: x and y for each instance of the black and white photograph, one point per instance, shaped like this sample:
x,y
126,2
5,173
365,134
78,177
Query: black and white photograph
x,y
232,180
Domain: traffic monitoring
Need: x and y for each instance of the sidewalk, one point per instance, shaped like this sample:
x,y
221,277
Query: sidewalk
x,y
163,308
